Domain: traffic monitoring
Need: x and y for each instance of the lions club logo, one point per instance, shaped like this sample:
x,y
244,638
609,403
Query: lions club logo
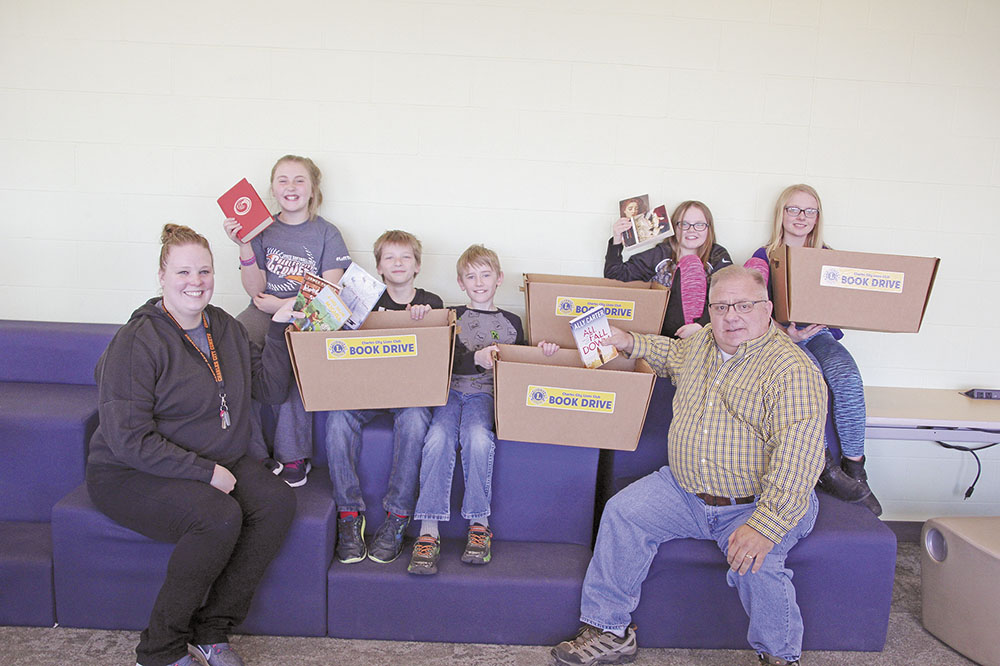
x,y
242,206
538,396
565,305
831,275
336,348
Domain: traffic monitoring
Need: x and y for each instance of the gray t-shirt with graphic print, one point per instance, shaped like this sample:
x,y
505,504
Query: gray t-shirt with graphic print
x,y
284,251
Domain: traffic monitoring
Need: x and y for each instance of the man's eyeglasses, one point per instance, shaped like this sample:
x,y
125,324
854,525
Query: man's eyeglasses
x,y
795,210
697,226
743,307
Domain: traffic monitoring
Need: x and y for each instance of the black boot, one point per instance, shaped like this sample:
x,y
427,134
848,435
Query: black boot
x,y
765,658
856,470
838,483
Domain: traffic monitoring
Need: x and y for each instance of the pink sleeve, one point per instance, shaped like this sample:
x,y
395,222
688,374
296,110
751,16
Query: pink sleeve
x,y
759,265
693,286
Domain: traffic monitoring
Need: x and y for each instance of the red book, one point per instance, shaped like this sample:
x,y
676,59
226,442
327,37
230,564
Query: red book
x,y
243,203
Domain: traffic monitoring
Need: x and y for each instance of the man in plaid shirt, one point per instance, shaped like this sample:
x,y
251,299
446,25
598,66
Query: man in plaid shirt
x,y
745,447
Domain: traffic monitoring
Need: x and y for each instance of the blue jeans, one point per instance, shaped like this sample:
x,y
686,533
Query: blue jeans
x,y
343,446
847,391
655,509
466,421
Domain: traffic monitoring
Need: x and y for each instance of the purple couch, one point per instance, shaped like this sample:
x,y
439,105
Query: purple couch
x,y
48,410
107,576
843,570
542,518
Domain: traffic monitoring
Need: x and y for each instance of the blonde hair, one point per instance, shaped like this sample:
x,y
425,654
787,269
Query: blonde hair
x,y
478,255
398,237
177,235
315,176
815,237
705,251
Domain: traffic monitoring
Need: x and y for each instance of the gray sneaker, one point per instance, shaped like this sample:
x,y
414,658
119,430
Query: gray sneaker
x,y
295,473
592,646
478,545
426,553
216,654
387,543
351,539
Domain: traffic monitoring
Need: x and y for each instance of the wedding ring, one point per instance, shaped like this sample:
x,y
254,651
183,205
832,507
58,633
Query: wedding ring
x,y
748,555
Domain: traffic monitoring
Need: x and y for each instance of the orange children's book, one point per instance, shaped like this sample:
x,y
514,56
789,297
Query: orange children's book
x,y
244,204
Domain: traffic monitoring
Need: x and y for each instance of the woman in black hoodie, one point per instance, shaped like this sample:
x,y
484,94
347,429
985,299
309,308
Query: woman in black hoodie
x,y
169,458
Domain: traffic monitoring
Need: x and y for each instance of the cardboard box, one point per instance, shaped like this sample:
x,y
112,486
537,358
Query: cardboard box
x,y
859,290
550,301
391,361
555,400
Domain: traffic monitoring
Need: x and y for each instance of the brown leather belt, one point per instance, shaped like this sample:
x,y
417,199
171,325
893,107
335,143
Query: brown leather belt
x,y
712,500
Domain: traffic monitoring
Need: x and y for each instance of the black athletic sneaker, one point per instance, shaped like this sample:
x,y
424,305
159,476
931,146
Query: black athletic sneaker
x,y
426,553
387,543
592,646
351,539
477,547
295,473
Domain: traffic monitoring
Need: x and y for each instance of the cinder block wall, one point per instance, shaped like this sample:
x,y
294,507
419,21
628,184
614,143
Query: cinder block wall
x,y
518,124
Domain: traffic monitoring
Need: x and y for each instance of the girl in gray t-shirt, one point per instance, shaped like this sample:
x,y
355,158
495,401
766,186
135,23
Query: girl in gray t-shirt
x,y
272,264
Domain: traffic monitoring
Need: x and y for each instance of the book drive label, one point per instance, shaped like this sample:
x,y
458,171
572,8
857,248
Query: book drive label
x,y
569,306
865,279
383,346
578,400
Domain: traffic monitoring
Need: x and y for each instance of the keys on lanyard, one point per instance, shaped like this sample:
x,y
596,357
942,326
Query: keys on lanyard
x,y
224,412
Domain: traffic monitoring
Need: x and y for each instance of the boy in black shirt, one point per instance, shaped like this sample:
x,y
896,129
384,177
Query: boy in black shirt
x,y
397,258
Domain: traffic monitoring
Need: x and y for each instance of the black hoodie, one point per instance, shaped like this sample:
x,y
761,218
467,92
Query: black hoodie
x,y
158,401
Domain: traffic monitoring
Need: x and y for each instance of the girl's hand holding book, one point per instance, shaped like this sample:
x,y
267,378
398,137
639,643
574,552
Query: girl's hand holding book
x,y
619,226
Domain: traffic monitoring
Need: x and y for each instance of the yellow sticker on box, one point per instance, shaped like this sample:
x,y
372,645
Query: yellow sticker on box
x,y
571,306
865,279
580,400
382,346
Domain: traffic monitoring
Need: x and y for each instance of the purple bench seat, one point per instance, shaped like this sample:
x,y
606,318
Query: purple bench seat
x,y
528,594
107,576
843,576
542,518
44,430
843,571
48,410
26,594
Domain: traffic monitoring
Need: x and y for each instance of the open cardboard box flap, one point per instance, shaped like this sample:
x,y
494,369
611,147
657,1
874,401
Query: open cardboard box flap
x,y
552,300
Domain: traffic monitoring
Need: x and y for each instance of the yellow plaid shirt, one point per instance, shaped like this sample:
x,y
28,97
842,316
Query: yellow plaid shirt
x,y
752,425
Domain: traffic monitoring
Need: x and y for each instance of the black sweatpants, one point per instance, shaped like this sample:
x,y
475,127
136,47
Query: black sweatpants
x,y
224,544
